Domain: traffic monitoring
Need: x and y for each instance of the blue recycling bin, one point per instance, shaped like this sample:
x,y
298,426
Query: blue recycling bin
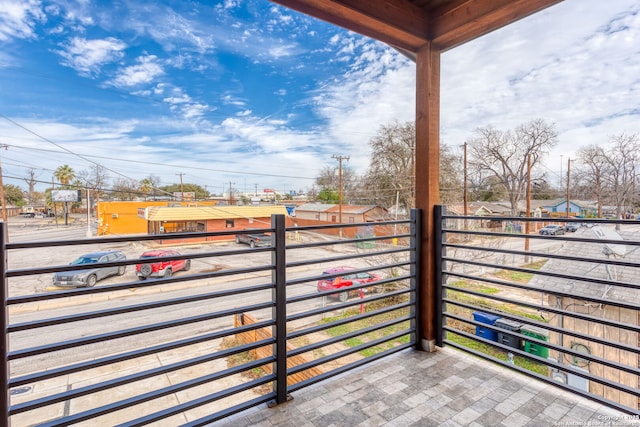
x,y
489,319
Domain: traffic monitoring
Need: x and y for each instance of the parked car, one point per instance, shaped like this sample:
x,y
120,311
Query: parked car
x,y
254,239
161,268
572,227
552,230
93,273
346,279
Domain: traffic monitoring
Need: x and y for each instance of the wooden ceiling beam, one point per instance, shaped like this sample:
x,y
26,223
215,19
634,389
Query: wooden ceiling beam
x,y
399,23
458,22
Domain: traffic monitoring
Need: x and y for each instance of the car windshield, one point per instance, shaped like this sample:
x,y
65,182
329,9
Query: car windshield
x,y
85,260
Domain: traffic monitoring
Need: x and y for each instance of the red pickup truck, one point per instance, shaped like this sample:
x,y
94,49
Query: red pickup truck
x,y
161,268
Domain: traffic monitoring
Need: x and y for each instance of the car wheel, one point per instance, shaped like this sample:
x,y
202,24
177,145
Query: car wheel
x,y
91,281
187,265
343,296
167,273
252,244
146,270
121,270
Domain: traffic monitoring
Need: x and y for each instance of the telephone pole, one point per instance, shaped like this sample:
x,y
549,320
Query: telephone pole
x,y
230,194
3,199
568,185
181,187
527,225
340,158
466,186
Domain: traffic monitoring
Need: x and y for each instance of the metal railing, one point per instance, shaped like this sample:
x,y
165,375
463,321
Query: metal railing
x,y
559,306
241,327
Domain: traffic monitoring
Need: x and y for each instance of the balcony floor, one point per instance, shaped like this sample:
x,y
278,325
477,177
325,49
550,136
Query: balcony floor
x,y
445,388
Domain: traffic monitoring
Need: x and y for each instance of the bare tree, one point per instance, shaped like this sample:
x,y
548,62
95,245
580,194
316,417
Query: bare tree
x,y
125,189
31,182
329,181
390,173
621,171
502,155
95,179
591,171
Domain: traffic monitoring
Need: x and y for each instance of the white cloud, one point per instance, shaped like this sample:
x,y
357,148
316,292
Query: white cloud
x,y
88,56
18,18
144,72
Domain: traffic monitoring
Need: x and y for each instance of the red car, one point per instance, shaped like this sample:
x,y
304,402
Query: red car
x,y
345,280
161,268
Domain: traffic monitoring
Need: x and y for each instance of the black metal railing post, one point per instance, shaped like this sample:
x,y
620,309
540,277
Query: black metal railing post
x,y
4,323
416,274
278,257
438,235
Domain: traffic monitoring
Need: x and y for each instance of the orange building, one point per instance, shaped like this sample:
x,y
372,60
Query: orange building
x,y
117,218
164,219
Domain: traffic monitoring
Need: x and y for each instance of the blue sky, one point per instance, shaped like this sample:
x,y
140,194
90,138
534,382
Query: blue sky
x,y
247,92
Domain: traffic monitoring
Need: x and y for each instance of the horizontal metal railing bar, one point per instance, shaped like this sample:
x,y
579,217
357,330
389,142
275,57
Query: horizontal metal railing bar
x,y
546,380
349,367
348,351
116,358
563,237
129,238
542,255
550,327
345,257
160,415
541,219
545,361
560,348
127,379
545,273
127,262
344,241
132,308
128,285
340,322
351,288
532,289
174,388
328,309
349,225
597,320
48,348
226,413
318,277
352,334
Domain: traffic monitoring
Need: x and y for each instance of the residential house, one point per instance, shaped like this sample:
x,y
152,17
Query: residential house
x,y
624,303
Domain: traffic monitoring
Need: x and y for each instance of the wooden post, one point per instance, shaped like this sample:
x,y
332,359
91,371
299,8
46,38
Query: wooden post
x,y
427,179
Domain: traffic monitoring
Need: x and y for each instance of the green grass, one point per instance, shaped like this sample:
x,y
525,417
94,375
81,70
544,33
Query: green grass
x,y
360,324
523,362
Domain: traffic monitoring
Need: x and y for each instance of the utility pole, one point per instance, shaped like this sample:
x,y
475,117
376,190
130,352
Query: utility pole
x,y
181,188
528,224
568,185
3,199
230,194
340,158
561,179
465,193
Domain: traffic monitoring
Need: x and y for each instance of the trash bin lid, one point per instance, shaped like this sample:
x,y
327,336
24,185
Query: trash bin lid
x,y
483,317
508,324
534,330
